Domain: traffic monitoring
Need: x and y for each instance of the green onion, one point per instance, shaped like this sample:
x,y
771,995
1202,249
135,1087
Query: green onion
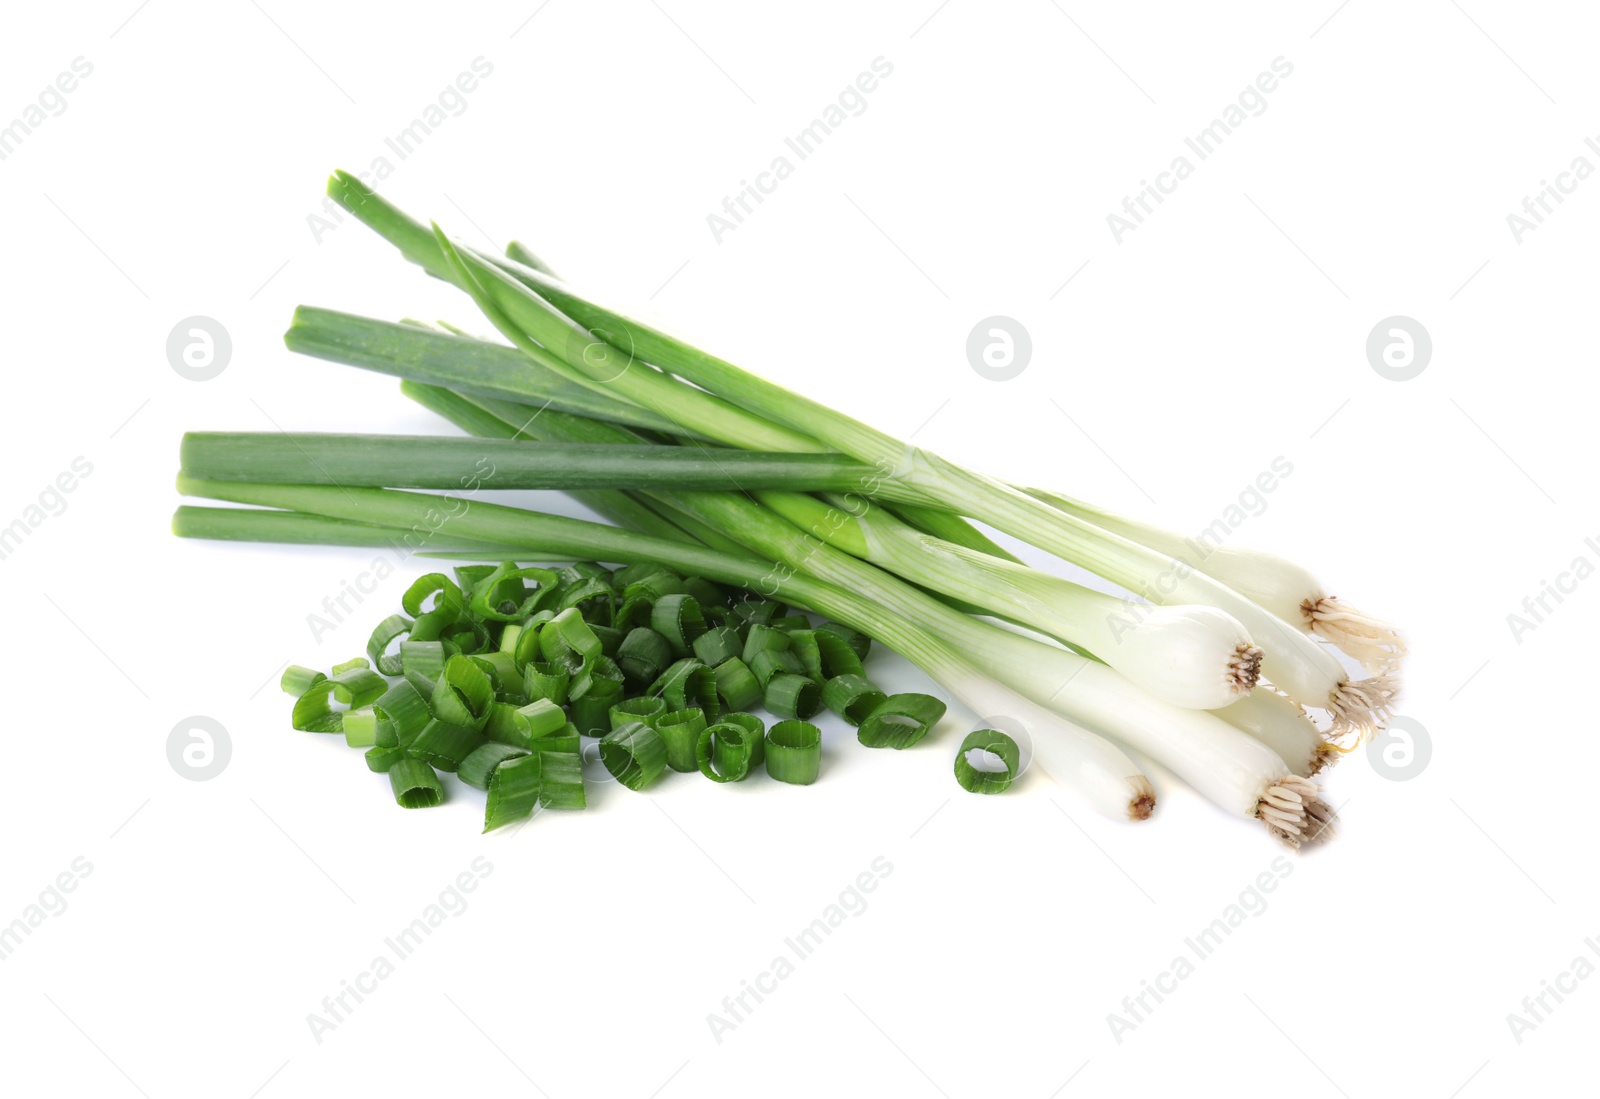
x,y
297,680
688,684
592,713
561,783
992,745
792,696
680,731
358,687
724,752
547,680
387,631
900,721
737,686
414,783
445,745
794,752
644,655
361,727
852,697
677,618
436,462
383,757
718,644
755,733
647,709
634,755
770,662
514,788
482,760
463,694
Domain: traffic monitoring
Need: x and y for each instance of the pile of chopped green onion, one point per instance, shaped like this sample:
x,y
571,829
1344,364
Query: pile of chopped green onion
x,y
499,674
763,539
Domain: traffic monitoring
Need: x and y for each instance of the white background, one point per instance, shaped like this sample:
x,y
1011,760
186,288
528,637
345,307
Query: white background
x,y
1168,371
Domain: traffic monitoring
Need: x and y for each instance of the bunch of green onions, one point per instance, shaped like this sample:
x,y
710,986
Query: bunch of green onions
x,y
710,471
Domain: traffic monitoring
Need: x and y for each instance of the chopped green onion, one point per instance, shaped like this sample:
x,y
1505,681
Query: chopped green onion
x,y
547,680
297,680
501,596
634,755
396,625
724,751
644,655
645,709
561,784
859,642
688,684
678,619
994,745
382,757
794,751
737,685
792,696
755,732
680,731
568,632
763,638
445,745
463,694
414,783
349,665
900,721
770,662
592,713
514,786
482,760
361,727
358,687
852,697
716,645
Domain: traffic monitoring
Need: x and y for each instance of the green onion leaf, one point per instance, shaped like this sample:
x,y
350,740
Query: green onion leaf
x,y
644,655
737,685
645,709
561,786
297,680
852,697
794,750
361,727
995,746
724,752
792,696
680,731
634,754
717,645
415,785
396,625
688,684
900,721
514,787
382,757
482,760
547,680
678,619
463,694
445,745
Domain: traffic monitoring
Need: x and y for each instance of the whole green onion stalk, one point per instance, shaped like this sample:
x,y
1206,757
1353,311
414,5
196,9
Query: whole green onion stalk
x,y
605,349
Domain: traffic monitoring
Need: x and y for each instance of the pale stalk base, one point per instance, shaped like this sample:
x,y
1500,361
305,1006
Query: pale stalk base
x,y
1326,756
1372,641
1293,812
